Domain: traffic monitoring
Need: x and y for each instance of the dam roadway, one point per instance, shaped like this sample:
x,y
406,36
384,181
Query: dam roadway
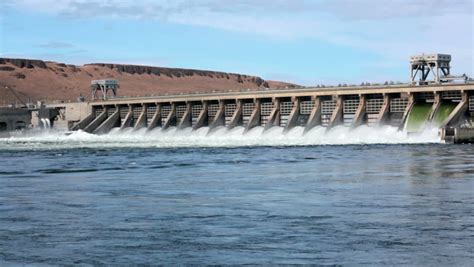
x,y
445,105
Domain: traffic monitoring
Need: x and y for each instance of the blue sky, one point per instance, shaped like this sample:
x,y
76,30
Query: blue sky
x,y
302,41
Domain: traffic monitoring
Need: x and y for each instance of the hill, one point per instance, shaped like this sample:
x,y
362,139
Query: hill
x,y
35,80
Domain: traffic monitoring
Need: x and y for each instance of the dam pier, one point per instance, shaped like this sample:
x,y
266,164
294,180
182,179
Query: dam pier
x,y
441,102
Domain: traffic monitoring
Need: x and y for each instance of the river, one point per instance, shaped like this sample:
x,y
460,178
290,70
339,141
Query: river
x,y
344,197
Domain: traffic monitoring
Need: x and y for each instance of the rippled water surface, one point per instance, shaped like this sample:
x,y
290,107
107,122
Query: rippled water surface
x,y
339,204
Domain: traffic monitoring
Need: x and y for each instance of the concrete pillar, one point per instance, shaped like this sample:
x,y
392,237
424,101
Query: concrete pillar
x,y
236,119
141,121
156,120
458,112
171,117
360,113
186,120
294,115
96,122
84,122
202,120
315,116
255,117
219,119
435,107
336,117
385,110
127,122
274,118
411,103
109,123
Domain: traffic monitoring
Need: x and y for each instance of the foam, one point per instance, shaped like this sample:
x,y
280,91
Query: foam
x,y
218,137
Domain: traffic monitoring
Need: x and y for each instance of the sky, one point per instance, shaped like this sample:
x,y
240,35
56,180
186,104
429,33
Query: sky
x,y
307,42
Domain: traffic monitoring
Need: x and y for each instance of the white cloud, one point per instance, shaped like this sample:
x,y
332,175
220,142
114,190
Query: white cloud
x,y
347,9
394,29
55,45
388,9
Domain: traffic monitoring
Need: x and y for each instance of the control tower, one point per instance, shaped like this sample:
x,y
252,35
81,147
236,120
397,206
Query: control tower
x,y
422,65
103,87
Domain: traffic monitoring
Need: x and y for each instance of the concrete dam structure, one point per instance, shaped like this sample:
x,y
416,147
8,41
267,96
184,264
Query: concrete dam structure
x,y
439,103
411,108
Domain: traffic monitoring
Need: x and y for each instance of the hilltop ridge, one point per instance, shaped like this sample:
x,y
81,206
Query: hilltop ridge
x,y
47,80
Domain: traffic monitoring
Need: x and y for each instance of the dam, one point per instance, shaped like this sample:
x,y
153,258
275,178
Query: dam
x,y
441,103
406,107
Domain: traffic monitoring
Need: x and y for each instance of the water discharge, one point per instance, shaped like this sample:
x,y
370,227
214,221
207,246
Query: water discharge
x,y
218,137
46,123
445,109
418,117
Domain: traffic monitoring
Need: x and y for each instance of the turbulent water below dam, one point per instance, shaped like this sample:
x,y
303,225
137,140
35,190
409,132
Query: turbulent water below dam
x,y
218,137
365,196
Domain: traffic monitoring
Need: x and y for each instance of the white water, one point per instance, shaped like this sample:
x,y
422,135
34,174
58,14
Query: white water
x,y
46,123
220,137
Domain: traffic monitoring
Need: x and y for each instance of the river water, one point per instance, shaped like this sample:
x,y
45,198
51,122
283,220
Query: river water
x,y
344,197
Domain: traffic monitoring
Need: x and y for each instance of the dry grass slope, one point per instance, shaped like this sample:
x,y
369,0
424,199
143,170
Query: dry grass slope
x,y
43,80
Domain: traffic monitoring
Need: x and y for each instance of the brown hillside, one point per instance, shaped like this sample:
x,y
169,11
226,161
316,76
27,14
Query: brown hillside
x,y
41,80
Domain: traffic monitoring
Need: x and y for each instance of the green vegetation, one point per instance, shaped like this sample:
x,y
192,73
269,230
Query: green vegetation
x,y
418,117
443,112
